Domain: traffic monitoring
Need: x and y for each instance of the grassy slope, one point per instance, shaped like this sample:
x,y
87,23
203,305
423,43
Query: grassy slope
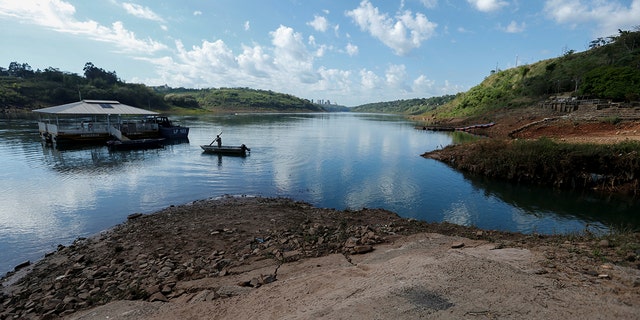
x,y
408,107
607,72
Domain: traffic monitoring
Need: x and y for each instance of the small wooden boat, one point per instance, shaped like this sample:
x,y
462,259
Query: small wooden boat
x,y
226,150
136,144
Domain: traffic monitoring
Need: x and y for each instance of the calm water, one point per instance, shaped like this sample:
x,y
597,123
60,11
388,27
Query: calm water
x,y
50,197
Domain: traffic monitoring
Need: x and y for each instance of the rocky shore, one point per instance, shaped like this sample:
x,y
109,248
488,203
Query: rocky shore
x,y
259,258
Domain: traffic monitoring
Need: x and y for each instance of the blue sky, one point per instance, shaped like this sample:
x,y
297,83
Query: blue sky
x,y
349,52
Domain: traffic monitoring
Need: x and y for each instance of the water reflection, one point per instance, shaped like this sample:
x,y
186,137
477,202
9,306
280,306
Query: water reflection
x,y
91,160
594,211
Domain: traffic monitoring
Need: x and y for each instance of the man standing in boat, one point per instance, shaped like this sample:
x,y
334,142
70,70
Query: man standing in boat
x,y
218,139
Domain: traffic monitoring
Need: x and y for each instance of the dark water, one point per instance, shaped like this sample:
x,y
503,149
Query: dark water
x,y
50,197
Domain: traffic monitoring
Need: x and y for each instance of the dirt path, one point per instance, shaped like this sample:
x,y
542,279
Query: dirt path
x,y
255,258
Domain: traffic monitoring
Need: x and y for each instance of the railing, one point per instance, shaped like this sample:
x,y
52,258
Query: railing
x,y
95,127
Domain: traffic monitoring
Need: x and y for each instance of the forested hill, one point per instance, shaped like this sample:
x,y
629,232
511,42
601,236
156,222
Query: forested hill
x,y
26,89
238,99
408,107
609,69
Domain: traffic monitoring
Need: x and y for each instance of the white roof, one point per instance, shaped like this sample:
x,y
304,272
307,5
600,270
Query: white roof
x,y
86,107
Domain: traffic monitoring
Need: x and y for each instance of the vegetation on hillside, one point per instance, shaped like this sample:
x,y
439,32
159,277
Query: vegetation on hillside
x,y
610,69
571,166
23,88
408,107
239,99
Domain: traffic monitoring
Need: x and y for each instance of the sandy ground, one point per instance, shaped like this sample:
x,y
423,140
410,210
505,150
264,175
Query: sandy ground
x,y
255,258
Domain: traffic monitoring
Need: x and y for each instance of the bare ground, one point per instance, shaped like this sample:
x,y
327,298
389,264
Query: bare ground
x,y
255,258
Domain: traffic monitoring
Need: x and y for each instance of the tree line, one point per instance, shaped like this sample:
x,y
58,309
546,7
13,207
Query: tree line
x,y
21,87
24,88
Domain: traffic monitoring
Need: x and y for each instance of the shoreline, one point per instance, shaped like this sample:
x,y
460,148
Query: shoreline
x,y
218,252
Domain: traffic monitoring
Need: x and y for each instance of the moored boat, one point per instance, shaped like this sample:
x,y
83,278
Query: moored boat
x,y
94,121
170,130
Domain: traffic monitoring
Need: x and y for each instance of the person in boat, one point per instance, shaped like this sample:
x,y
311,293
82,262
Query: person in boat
x,y
217,139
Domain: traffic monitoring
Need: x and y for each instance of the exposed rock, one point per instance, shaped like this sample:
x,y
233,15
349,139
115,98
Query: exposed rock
x,y
362,249
134,216
457,245
158,297
22,265
153,257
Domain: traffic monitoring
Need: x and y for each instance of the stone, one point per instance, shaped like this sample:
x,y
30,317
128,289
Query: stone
x,y
267,279
604,243
158,297
254,283
166,289
68,300
134,216
362,249
457,245
351,242
230,291
291,255
22,265
203,296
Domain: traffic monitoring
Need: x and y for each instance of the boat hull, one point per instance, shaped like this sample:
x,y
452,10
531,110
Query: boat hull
x,y
175,132
226,150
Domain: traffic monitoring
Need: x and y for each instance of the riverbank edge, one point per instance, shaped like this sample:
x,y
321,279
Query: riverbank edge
x,y
148,256
612,168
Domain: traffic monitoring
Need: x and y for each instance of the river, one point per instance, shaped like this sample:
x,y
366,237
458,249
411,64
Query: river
x,y
334,160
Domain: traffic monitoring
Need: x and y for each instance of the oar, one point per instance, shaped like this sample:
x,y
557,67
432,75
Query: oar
x,y
214,140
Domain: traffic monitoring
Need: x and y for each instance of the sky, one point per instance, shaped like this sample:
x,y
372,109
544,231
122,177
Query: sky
x,y
346,52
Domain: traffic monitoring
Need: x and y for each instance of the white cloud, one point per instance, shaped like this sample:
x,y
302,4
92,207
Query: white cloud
x,y
212,56
291,55
197,13
352,49
319,23
255,62
422,85
515,27
429,3
286,66
606,17
401,34
247,25
58,15
369,80
141,12
320,51
333,82
396,76
487,5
